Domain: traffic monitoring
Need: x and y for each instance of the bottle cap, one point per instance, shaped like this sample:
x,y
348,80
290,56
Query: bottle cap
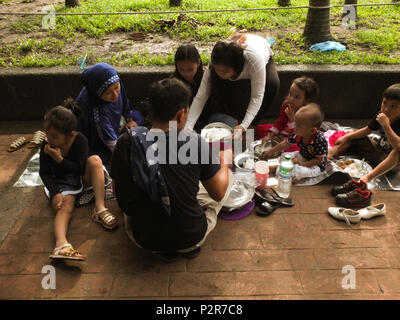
x,y
288,157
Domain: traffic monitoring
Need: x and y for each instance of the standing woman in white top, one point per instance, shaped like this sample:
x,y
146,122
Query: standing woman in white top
x,y
243,62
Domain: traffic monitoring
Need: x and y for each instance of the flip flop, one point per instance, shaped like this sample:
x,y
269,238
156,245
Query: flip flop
x,y
264,195
18,143
266,208
288,202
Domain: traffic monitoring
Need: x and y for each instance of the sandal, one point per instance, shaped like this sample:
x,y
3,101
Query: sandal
x,y
37,139
264,195
18,143
69,254
265,209
108,220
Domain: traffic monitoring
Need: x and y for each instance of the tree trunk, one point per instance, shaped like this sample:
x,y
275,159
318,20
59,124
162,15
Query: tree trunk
x,y
175,3
317,27
351,2
284,3
71,3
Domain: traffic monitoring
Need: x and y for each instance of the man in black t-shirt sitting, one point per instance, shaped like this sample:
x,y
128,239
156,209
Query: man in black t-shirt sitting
x,y
384,151
170,204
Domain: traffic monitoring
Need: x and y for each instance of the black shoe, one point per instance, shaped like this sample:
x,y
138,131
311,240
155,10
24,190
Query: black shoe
x,y
273,198
266,208
354,199
348,186
191,254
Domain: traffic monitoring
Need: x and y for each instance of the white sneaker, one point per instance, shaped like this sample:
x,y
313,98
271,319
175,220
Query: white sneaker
x,y
373,211
347,215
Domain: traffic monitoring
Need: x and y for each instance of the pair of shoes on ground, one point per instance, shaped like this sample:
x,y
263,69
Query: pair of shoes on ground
x,y
32,141
352,194
174,256
355,216
267,202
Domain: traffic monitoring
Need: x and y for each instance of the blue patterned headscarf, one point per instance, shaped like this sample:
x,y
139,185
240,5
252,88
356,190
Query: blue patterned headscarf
x,y
100,114
98,78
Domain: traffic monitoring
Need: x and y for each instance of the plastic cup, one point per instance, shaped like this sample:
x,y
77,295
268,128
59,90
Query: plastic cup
x,y
261,173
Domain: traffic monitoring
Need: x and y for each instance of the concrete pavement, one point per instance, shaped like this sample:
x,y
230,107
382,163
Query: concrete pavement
x,y
296,253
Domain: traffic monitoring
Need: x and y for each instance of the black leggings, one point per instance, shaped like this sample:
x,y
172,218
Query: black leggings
x,y
272,84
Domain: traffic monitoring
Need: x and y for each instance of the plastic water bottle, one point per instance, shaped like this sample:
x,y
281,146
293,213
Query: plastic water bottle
x,y
285,174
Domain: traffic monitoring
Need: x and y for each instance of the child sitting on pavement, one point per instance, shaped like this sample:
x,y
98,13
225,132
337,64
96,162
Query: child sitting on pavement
x,y
383,151
303,90
63,166
311,160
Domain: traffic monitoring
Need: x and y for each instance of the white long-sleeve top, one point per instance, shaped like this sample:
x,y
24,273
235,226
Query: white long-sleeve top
x,y
256,55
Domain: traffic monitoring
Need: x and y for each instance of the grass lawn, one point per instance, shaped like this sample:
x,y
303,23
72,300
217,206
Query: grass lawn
x,y
376,39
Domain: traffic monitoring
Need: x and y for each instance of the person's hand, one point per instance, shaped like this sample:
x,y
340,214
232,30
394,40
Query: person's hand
x,y
290,111
297,161
383,119
238,131
57,201
53,152
130,123
365,179
267,154
268,137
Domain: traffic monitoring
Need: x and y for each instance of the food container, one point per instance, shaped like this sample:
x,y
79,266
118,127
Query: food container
x,y
216,131
354,167
245,161
260,147
241,194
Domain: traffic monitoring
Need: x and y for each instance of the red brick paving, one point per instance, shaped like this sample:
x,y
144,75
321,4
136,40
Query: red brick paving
x,y
296,253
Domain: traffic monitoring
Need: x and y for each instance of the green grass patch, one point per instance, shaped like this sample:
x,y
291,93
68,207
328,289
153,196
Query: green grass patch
x,y
38,60
376,39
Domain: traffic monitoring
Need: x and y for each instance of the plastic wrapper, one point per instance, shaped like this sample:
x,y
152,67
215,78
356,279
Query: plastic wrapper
x,y
30,177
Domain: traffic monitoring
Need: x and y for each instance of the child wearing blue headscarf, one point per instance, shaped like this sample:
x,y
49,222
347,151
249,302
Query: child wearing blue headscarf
x,y
103,101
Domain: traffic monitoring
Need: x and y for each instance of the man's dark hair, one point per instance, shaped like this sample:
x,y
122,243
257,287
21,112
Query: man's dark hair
x,y
167,97
393,92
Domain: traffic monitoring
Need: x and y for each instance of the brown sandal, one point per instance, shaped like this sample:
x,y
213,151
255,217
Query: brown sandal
x,y
108,220
18,143
37,139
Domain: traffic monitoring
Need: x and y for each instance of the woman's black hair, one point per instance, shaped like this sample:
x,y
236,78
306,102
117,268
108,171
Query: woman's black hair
x,y
62,119
189,52
229,54
309,86
392,92
167,97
